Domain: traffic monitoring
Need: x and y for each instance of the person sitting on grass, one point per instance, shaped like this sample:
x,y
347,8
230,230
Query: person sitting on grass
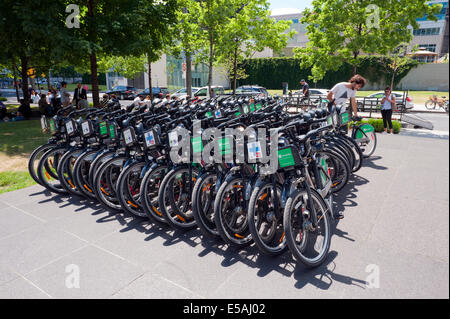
x,y
24,109
2,111
17,117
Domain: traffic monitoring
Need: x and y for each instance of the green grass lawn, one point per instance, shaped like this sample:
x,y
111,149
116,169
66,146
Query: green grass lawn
x,y
17,141
72,86
11,181
21,138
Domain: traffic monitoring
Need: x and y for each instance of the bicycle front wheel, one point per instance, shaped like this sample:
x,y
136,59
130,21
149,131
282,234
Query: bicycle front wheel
x,y
308,244
430,105
366,138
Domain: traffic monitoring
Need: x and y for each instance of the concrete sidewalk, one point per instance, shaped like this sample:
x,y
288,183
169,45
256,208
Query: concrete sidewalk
x,y
395,236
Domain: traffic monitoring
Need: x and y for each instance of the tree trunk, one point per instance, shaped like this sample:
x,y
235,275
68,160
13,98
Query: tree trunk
x,y
355,55
94,78
394,70
235,71
211,58
150,87
15,82
189,74
93,58
26,96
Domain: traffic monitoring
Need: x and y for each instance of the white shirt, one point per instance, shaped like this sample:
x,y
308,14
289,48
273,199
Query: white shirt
x,y
137,100
64,97
387,105
342,93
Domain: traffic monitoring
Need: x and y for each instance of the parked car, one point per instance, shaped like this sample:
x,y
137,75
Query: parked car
x,y
155,91
123,92
203,91
375,99
252,89
313,93
183,92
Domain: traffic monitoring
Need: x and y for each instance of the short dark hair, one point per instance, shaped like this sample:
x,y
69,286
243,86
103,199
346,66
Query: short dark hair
x,y
388,88
63,83
358,79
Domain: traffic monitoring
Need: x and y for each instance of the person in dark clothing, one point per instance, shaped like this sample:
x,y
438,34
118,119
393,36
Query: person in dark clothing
x,y
79,94
24,109
305,91
44,107
2,110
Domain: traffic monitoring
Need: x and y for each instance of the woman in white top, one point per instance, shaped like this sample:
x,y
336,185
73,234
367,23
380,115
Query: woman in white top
x,y
386,108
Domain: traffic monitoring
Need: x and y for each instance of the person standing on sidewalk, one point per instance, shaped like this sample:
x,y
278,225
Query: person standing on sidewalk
x,y
387,102
65,96
79,94
305,90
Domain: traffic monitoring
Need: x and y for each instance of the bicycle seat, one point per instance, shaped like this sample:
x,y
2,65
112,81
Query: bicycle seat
x,y
356,118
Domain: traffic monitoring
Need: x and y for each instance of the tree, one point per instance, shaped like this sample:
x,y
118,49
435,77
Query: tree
x,y
400,61
211,19
25,42
249,30
128,66
341,30
118,28
187,36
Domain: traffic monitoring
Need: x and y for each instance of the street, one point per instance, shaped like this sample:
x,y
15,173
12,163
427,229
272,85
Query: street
x,y
392,243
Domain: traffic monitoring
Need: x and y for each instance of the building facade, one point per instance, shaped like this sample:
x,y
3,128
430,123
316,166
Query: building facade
x,y
432,35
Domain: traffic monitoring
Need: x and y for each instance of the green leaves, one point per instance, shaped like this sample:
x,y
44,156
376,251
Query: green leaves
x,y
341,30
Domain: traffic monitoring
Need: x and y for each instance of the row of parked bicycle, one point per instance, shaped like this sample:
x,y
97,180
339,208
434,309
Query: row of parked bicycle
x,y
132,160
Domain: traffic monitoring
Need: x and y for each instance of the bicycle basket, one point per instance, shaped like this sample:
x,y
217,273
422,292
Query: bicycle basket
x,y
53,127
112,130
151,139
344,118
87,128
288,157
129,136
103,129
71,127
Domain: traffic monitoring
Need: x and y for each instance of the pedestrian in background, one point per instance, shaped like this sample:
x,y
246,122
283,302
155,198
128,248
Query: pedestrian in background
x,y
105,100
79,94
387,104
65,96
44,107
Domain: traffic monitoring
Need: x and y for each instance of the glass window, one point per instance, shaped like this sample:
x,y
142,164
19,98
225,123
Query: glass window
x,y
201,92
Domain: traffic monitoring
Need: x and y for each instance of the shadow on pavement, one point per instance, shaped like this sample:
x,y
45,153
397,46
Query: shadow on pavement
x,y
321,277
371,162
